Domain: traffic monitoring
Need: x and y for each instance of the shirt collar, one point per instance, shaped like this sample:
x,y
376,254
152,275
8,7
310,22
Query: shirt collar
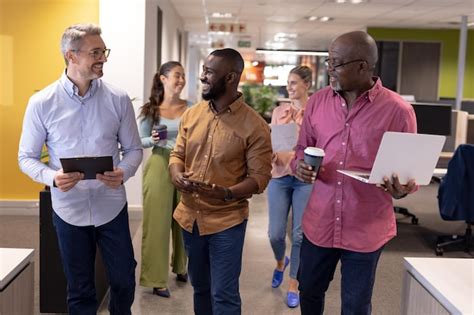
x,y
370,93
292,110
234,106
72,89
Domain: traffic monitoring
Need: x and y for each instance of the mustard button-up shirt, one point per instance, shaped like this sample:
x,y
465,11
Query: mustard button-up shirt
x,y
221,148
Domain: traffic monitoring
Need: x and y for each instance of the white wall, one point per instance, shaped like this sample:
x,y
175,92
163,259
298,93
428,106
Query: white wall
x,y
129,28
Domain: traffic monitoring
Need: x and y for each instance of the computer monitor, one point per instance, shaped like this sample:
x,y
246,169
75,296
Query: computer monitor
x,y
432,118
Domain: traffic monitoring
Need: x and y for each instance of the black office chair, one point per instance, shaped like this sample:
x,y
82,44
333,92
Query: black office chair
x,y
406,213
456,197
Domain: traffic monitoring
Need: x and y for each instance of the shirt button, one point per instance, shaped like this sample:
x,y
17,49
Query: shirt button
x,y
343,143
347,125
340,162
338,201
339,183
337,219
205,156
343,104
197,211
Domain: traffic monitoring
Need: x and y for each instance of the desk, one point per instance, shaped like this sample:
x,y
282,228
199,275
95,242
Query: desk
x,y
438,286
16,281
53,295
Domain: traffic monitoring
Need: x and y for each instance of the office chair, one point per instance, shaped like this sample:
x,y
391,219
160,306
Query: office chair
x,y
406,213
456,197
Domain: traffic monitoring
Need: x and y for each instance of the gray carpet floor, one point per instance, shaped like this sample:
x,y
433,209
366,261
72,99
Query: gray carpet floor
x,y
257,295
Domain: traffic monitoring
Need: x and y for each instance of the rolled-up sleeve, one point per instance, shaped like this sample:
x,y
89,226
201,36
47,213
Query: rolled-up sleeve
x,y
259,157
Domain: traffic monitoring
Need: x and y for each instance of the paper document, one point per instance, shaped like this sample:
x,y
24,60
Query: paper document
x,y
284,137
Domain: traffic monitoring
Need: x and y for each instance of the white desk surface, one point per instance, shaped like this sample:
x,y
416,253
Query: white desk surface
x,y
449,280
440,171
12,261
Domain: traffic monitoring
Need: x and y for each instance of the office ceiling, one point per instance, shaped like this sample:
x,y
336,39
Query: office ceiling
x,y
263,20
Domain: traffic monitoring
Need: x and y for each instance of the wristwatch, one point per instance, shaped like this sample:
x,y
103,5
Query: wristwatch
x,y
228,194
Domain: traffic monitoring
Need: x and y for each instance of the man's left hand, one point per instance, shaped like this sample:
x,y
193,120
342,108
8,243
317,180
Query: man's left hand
x,y
112,179
397,190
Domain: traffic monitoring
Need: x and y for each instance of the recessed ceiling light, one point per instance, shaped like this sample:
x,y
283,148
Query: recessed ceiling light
x,y
319,18
351,1
285,35
220,15
279,51
326,18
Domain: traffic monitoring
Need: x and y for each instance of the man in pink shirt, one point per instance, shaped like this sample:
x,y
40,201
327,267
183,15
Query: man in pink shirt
x,y
346,219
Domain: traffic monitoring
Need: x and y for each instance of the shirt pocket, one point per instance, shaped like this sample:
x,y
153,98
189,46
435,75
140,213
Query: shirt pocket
x,y
228,147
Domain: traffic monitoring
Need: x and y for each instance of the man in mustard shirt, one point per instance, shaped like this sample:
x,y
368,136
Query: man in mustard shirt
x,y
222,156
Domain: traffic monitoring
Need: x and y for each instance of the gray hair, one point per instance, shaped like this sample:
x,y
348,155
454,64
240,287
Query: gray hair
x,y
74,34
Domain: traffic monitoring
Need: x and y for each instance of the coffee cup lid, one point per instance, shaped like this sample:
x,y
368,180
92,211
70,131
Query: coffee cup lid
x,y
314,151
160,127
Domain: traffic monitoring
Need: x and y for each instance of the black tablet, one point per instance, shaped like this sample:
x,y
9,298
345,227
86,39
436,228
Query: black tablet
x,y
89,165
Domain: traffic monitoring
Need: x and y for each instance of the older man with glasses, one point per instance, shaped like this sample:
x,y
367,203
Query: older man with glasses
x,y
80,115
346,220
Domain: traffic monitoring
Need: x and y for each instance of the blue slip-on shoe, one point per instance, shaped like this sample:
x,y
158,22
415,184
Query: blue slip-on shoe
x,y
292,299
278,275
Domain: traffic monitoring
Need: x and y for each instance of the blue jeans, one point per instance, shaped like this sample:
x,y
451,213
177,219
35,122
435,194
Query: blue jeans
x,y
78,244
214,266
283,193
317,270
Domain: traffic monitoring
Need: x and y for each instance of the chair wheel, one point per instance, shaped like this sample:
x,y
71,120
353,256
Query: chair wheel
x,y
439,251
414,221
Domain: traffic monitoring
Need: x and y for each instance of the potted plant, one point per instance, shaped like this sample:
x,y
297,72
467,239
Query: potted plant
x,y
262,98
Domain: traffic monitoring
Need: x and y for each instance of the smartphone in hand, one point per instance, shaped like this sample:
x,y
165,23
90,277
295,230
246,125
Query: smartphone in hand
x,y
199,183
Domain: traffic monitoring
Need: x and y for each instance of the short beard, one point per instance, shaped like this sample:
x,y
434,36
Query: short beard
x,y
336,88
216,91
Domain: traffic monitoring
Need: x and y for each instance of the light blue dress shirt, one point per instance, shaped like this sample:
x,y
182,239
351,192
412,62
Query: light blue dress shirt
x,y
100,123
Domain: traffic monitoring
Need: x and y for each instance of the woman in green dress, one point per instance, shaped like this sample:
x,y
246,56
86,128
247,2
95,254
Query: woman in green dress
x,y
160,197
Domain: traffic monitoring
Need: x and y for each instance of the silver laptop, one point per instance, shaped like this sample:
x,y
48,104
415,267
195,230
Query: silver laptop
x,y
409,155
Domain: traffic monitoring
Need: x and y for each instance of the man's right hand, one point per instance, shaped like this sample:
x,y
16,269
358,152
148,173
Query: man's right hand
x,y
66,181
305,172
179,179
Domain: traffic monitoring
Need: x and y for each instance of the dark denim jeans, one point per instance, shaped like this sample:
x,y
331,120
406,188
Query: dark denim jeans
x,y
77,245
214,266
317,266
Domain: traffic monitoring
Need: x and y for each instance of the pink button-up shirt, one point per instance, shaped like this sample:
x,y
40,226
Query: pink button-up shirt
x,y
343,212
285,114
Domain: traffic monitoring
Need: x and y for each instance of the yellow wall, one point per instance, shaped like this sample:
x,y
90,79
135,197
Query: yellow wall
x,y
30,59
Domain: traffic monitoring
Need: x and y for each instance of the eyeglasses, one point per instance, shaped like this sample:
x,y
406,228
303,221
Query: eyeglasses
x,y
98,53
329,64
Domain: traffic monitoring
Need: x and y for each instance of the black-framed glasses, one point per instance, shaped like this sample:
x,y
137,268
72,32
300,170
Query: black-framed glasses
x,y
329,64
98,53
